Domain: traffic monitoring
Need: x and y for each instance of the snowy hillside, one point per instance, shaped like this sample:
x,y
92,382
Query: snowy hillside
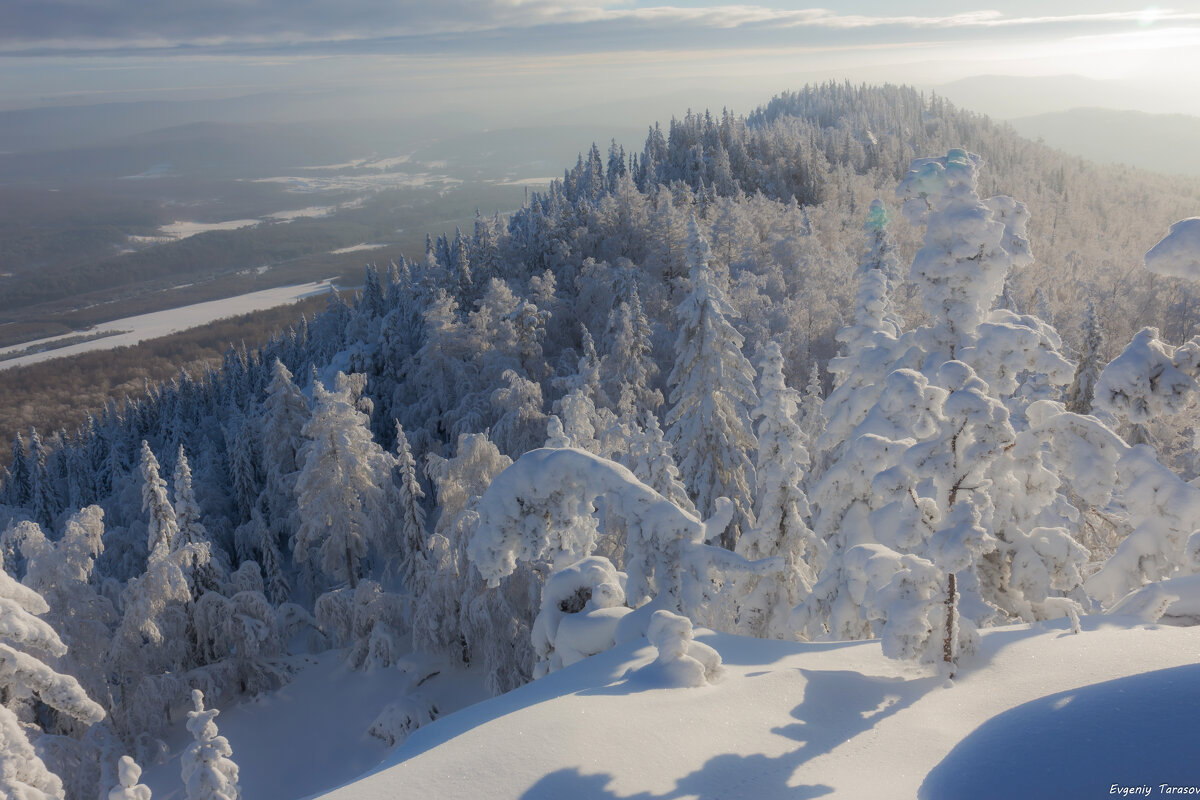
x,y
1040,713
578,431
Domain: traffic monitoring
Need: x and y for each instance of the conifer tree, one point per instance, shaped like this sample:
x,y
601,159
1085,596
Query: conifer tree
x,y
285,411
781,508
654,464
44,503
339,488
712,389
1087,372
18,488
163,527
204,575
410,516
209,772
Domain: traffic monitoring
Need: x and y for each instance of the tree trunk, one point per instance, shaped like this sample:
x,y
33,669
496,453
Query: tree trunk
x,y
948,644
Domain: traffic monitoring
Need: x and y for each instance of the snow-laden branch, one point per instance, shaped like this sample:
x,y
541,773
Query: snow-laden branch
x,y
1162,509
540,509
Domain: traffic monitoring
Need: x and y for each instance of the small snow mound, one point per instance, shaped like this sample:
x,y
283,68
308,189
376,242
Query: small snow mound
x,y
581,608
399,719
1178,254
681,661
128,788
1175,601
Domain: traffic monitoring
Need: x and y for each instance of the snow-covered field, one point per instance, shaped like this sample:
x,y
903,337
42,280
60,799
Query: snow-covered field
x,y
358,248
1038,713
367,182
132,330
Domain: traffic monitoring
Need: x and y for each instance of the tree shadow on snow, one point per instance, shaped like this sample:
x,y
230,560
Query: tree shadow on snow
x,y
837,706
726,777
1138,731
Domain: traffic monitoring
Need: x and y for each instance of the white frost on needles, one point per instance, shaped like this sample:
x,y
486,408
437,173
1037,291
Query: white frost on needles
x,y
1178,254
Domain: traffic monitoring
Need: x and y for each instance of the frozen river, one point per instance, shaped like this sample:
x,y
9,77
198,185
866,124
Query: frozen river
x,y
132,330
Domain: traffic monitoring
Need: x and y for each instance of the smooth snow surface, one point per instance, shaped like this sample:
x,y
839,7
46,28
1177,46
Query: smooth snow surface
x,y
1040,712
161,323
1178,254
311,734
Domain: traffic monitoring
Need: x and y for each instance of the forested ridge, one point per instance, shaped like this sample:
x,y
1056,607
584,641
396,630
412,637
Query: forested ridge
x,y
819,372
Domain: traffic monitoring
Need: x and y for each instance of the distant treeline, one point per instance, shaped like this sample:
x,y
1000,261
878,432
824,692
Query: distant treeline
x,y
59,393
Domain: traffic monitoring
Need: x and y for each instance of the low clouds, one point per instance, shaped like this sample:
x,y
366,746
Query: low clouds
x,y
493,26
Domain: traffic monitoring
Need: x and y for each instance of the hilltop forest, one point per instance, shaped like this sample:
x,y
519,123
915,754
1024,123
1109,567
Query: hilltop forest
x,y
859,364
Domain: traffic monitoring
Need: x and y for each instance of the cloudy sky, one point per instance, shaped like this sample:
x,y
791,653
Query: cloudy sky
x,y
531,54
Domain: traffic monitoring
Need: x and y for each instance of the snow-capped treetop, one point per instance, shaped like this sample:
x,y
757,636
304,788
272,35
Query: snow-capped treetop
x,y
163,526
1149,379
970,245
208,771
712,389
128,787
26,643
541,509
1178,254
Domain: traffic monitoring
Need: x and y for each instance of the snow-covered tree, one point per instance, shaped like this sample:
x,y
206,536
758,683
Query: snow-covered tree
x,y
127,787
18,486
781,508
240,640
44,503
209,772
26,645
654,464
62,573
541,511
339,488
205,575
628,363
1087,372
285,411
522,423
410,516
163,527
458,616
712,389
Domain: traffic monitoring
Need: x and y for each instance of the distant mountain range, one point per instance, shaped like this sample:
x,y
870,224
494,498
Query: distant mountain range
x,y
1091,118
1160,142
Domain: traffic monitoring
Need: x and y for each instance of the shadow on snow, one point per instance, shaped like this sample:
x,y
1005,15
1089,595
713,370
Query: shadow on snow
x,y
837,706
1134,731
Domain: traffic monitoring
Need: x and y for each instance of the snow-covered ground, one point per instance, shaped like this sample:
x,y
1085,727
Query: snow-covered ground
x,y
366,182
357,248
132,330
1038,713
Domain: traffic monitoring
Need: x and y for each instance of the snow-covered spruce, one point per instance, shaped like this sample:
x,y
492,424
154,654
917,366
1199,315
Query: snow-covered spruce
x,y
128,788
208,771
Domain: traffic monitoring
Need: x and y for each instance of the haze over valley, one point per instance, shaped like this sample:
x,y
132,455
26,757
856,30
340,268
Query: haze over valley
x,y
600,400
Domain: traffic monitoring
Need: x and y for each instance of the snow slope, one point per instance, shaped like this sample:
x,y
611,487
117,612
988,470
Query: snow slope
x,y
311,734
1040,713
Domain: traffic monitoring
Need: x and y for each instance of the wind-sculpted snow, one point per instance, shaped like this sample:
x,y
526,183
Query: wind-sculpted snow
x,y
1178,254
581,607
1149,379
530,513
